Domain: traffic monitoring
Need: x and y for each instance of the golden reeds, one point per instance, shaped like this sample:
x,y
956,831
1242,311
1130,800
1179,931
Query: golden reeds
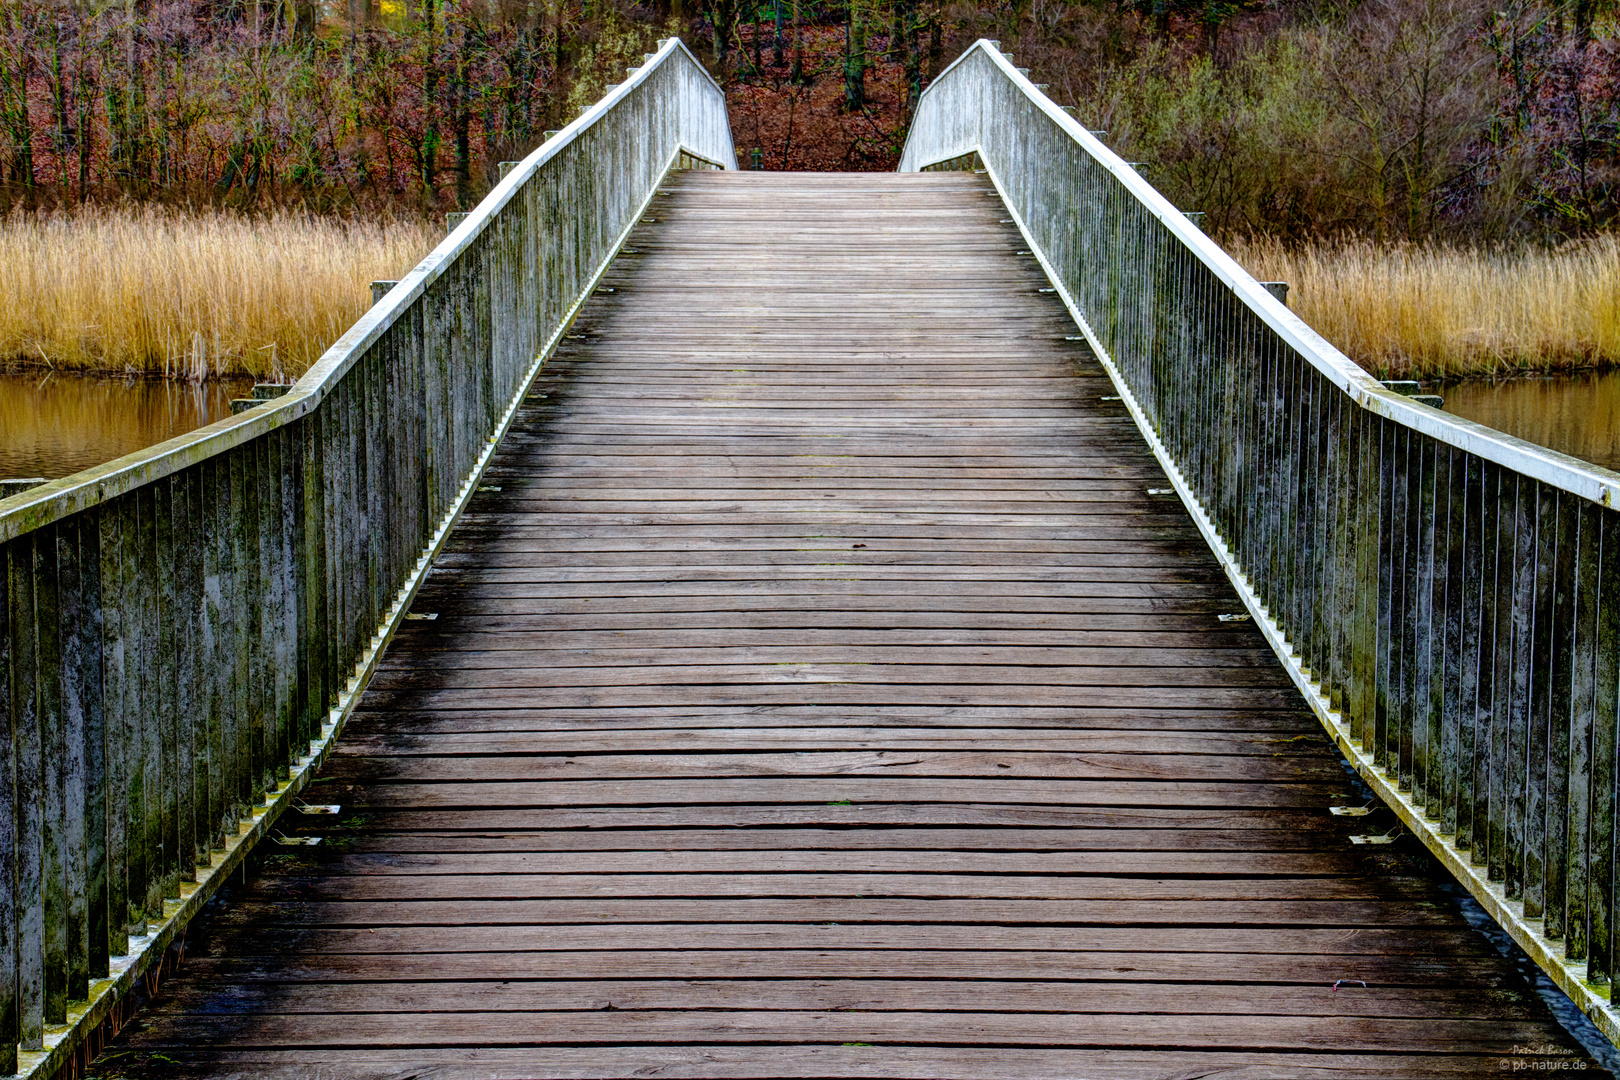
x,y
1437,312
167,292
158,291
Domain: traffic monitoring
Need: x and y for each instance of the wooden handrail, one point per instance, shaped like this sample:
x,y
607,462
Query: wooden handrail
x,y
183,630
1446,597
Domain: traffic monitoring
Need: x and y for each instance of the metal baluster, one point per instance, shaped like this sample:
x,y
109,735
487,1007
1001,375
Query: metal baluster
x,y
1563,539
1392,516
1537,712
1517,718
378,590
9,812
1445,687
260,679
1423,579
164,695
1473,715
186,611
1297,498
71,770
312,701
213,685
53,745
1605,751
140,715
1363,539
237,568
88,633
114,661
1323,608
28,761
284,600
1502,535
1581,634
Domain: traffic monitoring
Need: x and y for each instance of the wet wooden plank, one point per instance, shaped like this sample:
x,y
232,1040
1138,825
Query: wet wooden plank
x,y
744,1026
840,815
820,1061
1316,972
1028,740
472,794
675,651
317,887
833,691
1234,863
866,994
1368,945
264,908
522,768
469,719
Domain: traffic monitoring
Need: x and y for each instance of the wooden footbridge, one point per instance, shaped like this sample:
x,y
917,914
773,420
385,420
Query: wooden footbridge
x,y
908,627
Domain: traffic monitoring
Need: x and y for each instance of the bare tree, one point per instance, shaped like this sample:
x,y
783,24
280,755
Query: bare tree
x,y
1411,82
855,30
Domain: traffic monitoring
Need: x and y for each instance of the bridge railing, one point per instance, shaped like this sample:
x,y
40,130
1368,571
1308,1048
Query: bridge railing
x,y
183,629
1447,597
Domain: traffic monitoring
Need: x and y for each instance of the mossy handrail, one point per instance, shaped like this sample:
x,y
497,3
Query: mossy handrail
x,y
183,630
1446,597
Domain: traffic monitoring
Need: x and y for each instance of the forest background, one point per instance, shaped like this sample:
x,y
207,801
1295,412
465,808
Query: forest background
x,y
1474,140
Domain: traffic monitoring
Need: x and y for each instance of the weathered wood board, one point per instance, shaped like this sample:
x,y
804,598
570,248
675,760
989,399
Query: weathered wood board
x,y
823,684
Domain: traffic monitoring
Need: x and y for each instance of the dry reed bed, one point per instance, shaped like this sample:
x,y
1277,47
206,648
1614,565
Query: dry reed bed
x,y
191,294
1436,312
156,291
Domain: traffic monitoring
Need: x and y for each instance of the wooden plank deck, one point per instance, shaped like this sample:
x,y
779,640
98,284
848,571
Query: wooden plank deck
x,y
818,688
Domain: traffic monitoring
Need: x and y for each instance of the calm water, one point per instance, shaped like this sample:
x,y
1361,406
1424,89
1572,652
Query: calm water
x,y
52,424
1577,414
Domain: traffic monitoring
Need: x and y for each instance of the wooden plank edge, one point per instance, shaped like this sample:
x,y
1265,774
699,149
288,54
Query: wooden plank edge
x,y
61,1042
1569,976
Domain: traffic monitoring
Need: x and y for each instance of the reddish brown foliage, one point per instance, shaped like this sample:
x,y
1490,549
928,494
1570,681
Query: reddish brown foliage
x,y
807,127
1410,119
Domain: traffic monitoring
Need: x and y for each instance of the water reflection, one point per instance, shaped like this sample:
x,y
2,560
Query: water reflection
x,y
54,424
1576,414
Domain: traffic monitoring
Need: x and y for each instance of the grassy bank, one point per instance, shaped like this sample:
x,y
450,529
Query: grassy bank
x,y
190,294
1431,312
